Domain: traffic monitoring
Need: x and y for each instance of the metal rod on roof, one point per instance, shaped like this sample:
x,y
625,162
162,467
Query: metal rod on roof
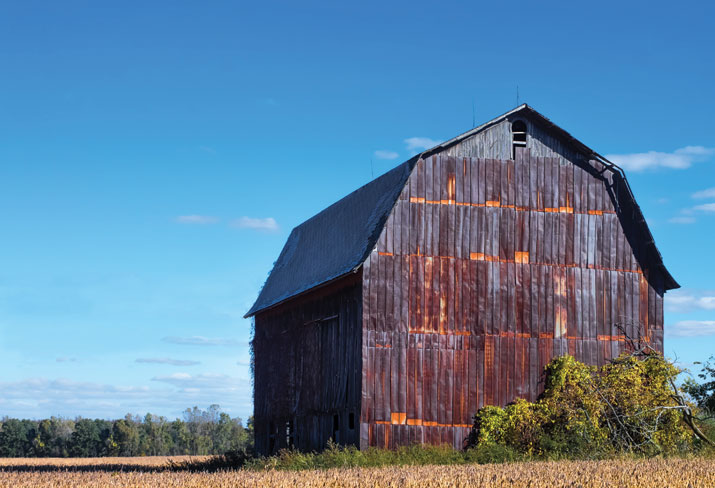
x,y
474,118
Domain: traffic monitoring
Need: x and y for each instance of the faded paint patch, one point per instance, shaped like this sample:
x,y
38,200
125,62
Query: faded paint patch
x,y
521,257
451,187
398,418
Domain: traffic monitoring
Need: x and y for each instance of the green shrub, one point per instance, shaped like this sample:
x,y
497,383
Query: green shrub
x,y
490,453
628,405
335,456
707,427
640,407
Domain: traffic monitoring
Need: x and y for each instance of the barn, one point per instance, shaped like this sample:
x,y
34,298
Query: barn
x,y
447,284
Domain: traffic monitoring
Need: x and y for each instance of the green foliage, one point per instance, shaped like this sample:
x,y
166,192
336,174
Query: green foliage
x,y
643,414
571,410
125,438
488,426
203,432
336,456
625,406
14,438
707,427
86,439
490,453
703,393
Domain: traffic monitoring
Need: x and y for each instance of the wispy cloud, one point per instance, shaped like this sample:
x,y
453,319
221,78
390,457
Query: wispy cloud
x,y
42,397
268,224
707,207
385,154
200,381
66,360
684,301
201,341
173,362
691,328
687,215
684,219
679,159
196,219
707,193
420,143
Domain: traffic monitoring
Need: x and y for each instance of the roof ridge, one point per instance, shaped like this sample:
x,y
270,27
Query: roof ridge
x,y
352,225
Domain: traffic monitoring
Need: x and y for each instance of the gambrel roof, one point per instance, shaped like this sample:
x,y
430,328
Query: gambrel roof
x,y
338,240
334,242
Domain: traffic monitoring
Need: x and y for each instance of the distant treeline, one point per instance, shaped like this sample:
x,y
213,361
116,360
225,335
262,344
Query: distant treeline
x,y
201,432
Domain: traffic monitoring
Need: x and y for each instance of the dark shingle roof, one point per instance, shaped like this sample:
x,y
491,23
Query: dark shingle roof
x,y
334,242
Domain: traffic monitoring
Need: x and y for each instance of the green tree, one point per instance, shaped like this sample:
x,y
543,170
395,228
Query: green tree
x,y
61,434
156,438
42,441
105,428
13,439
181,437
704,393
249,432
222,435
126,436
207,431
86,440
200,424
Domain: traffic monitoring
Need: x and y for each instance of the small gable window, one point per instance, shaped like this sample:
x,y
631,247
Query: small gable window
x,y
518,136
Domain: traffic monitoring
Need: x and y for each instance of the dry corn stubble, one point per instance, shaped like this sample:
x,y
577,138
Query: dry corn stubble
x,y
650,473
149,461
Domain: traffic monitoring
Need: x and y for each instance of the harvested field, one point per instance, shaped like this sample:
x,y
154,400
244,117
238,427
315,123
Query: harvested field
x,y
586,474
128,462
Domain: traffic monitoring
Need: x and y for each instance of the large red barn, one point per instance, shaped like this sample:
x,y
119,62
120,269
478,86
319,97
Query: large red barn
x,y
447,284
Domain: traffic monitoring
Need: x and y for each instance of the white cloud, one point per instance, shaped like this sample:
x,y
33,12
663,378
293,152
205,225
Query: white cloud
x,y
268,224
679,159
66,360
686,214
708,193
201,341
682,220
200,381
42,397
692,328
173,362
196,219
420,143
684,302
385,154
706,207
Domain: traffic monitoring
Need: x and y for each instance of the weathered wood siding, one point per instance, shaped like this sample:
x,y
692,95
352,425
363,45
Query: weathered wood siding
x,y
487,269
307,369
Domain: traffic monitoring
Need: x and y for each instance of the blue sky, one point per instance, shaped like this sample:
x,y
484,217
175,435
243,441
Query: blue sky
x,y
154,157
